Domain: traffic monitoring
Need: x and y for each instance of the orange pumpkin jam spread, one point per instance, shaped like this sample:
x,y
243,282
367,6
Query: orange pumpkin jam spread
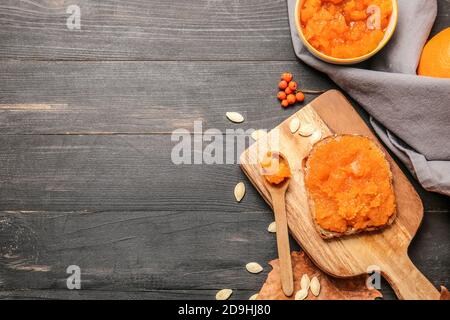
x,y
345,28
349,181
275,169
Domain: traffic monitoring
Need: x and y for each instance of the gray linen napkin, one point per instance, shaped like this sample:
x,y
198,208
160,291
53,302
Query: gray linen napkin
x,y
410,114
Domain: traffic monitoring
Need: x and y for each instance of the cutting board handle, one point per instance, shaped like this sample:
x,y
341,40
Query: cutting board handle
x,y
407,281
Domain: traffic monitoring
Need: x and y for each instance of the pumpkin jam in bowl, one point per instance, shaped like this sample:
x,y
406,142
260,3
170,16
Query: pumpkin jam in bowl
x,y
345,31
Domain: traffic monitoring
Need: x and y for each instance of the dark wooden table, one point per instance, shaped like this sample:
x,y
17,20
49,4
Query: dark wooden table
x,y
86,176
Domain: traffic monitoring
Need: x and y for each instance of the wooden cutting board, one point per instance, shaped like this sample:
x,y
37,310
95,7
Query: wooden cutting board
x,y
349,256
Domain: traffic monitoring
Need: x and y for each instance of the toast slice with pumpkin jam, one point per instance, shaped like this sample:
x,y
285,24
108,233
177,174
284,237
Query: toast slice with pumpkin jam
x,y
349,185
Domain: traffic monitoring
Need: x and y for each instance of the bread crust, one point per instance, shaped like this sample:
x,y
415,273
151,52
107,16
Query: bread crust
x,y
326,234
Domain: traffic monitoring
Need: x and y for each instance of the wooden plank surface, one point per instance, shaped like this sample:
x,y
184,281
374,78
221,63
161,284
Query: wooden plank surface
x,y
85,169
442,19
147,30
152,30
64,294
142,97
139,251
92,172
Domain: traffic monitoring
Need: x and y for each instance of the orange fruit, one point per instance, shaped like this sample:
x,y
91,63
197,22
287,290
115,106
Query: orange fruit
x,y
435,59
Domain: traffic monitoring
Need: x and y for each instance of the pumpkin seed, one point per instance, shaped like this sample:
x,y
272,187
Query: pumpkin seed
x,y
253,297
294,124
239,191
306,129
235,117
272,227
301,294
224,294
315,286
304,283
257,134
253,267
316,136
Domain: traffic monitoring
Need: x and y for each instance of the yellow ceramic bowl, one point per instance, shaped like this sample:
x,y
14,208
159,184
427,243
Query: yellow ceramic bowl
x,y
387,36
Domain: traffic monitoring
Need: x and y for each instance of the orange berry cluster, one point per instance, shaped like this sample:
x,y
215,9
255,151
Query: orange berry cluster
x,y
289,94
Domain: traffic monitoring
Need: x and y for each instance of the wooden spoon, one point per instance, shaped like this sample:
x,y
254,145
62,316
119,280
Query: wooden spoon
x,y
277,192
